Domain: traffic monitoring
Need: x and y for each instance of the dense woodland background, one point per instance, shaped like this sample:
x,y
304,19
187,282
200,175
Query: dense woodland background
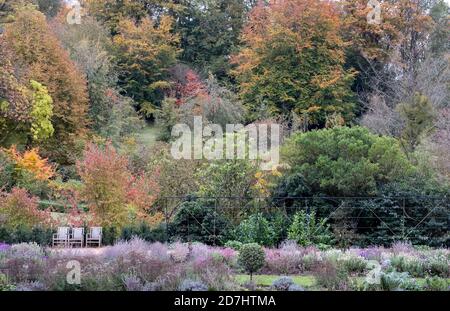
x,y
86,111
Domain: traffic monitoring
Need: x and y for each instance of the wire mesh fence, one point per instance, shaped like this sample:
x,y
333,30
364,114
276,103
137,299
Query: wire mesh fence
x,y
354,220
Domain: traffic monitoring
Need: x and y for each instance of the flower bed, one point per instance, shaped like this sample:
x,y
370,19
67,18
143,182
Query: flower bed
x,y
137,265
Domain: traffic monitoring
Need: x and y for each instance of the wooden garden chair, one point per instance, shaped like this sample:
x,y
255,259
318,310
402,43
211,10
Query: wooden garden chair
x,y
77,237
61,237
94,237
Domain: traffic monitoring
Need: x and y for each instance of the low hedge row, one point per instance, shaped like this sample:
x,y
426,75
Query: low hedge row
x,y
43,236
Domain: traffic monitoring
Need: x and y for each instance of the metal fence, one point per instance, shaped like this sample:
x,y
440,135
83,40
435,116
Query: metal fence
x,y
356,220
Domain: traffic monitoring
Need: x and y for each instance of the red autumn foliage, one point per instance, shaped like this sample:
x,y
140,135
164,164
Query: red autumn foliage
x,y
111,190
20,209
192,86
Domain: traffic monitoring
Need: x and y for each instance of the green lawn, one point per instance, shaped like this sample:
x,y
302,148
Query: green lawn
x,y
148,135
306,281
267,280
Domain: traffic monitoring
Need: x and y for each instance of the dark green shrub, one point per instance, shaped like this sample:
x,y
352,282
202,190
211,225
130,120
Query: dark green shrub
x,y
251,258
145,232
110,236
198,221
345,161
39,235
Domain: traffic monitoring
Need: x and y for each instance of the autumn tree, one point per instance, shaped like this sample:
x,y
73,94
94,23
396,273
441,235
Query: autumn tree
x,y
113,115
145,52
372,40
31,162
115,196
414,63
25,108
293,61
42,58
20,210
31,171
15,103
8,9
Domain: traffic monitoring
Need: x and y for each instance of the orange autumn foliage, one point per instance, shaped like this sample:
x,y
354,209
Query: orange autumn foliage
x,y
42,57
32,162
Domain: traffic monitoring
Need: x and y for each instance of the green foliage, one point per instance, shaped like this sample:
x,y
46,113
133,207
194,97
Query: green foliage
x,y
49,7
397,281
144,232
210,31
419,115
255,229
24,234
167,118
396,224
441,32
231,178
236,245
344,161
307,230
5,285
145,52
412,266
41,113
354,264
437,284
112,12
198,221
251,258
34,186
113,116
6,172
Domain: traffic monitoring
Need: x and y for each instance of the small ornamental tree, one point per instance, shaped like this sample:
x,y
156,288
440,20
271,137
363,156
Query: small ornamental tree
x,y
31,162
114,194
19,209
251,258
